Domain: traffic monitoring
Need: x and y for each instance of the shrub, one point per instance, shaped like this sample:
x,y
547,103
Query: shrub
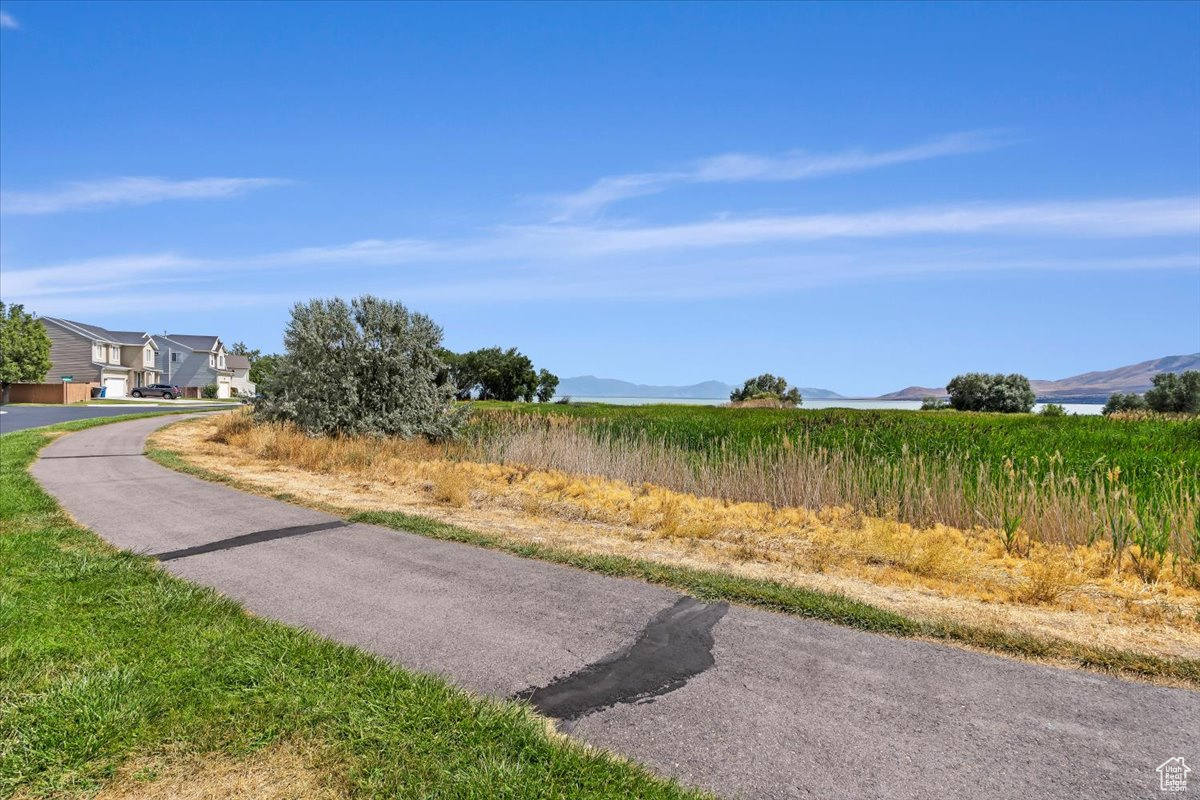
x,y
934,404
977,391
365,367
209,392
1053,410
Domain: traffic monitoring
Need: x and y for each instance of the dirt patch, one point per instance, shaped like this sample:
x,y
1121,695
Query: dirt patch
x,y
279,772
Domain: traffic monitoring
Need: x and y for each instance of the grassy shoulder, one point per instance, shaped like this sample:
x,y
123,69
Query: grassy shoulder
x,y
107,661
707,584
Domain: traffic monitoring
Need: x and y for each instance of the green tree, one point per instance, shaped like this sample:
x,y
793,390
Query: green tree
x,y
493,373
1010,394
241,349
547,384
1118,402
24,348
458,373
263,367
369,366
968,392
1175,393
978,391
767,387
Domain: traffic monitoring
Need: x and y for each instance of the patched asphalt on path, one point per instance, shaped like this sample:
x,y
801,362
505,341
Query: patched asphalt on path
x,y
740,701
675,646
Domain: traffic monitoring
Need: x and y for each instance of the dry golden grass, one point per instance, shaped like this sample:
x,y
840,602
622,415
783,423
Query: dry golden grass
x,y
929,572
280,772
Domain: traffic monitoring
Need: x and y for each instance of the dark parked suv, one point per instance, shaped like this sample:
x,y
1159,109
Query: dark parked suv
x,y
163,390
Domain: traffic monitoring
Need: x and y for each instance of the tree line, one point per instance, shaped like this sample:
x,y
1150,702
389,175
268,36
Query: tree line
x,y
1171,393
371,365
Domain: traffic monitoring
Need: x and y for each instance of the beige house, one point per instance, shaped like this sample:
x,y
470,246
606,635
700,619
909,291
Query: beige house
x,y
117,361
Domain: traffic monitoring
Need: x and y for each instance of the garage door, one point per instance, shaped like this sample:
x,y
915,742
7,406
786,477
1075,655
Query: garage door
x,y
114,387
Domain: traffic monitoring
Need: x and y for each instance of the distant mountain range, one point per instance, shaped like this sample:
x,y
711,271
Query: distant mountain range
x,y
1086,388
1090,387
591,386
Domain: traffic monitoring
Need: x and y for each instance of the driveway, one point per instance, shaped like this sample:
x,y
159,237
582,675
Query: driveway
x,y
18,418
743,702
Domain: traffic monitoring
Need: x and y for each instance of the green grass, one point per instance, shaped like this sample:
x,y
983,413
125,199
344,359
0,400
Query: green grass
x,y
1146,450
104,657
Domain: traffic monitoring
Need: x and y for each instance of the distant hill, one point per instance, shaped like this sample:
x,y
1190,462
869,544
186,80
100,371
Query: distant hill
x,y
591,386
1084,388
1134,378
914,393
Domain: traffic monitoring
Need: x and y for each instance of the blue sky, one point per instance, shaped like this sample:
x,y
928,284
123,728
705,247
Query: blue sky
x,y
858,197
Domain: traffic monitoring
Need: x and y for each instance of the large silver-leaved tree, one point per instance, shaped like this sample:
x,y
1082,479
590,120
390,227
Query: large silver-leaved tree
x,y
369,366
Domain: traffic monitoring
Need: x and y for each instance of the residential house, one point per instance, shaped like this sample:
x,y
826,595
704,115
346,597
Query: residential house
x,y
241,383
193,362
118,361
139,352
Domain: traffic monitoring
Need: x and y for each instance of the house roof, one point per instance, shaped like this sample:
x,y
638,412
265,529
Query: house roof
x,y
205,343
93,332
234,361
97,334
131,337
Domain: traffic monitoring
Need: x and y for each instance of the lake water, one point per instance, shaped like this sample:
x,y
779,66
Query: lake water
x,y
904,405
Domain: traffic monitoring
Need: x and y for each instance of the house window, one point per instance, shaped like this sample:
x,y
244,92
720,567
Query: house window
x,y
148,358
221,361
97,352
114,354
176,357
212,360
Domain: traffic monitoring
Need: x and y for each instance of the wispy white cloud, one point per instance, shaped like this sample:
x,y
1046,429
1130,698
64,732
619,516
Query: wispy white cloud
x,y
1100,219
740,167
127,191
8,21
713,258
619,280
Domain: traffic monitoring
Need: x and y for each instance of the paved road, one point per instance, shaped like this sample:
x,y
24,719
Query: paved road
x,y
18,418
744,702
